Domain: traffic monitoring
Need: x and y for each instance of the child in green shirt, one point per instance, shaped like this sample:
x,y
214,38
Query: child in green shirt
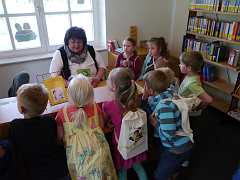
x,y
190,65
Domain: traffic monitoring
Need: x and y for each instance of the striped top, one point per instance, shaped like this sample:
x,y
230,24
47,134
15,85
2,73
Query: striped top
x,y
169,121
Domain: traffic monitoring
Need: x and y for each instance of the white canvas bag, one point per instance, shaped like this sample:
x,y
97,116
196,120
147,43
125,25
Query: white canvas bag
x,y
133,138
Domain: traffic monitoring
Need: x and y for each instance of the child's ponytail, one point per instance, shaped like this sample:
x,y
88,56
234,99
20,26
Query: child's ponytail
x,y
80,92
127,96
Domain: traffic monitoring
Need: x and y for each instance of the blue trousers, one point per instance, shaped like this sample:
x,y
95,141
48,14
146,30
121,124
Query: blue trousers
x,y
169,164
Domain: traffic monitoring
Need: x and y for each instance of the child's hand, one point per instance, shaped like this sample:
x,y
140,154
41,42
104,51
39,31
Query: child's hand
x,y
95,81
153,120
145,93
2,151
125,63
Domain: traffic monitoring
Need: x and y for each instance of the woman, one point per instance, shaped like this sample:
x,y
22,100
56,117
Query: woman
x,y
76,56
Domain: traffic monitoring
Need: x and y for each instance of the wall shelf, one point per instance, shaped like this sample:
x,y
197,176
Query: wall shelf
x,y
214,12
220,104
220,85
221,64
214,38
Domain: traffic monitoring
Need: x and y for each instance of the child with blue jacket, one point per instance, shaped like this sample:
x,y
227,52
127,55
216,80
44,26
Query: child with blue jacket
x,y
167,121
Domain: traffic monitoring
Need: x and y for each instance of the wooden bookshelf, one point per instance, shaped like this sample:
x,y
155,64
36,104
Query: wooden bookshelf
x,y
221,64
214,12
220,104
214,38
220,85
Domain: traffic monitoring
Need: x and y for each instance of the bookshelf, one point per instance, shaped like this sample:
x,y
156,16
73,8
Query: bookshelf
x,y
215,12
213,28
220,104
221,65
220,85
214,38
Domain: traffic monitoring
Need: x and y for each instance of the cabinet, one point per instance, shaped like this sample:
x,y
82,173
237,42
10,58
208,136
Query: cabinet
x,y
214,30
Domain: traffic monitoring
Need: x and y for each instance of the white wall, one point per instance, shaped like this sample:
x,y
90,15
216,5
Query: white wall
x,y
153,18
179,26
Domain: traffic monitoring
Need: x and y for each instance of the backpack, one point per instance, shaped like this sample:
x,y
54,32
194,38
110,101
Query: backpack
x,y
87,150
185,106
66,73
133,139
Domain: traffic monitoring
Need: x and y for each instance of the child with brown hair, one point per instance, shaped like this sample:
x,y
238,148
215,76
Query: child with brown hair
x,y
174,81
190,65
157,57
129,57
167,121
121,83
34,138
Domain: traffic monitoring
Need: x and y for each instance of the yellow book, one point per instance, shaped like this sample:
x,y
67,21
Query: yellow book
x,y
57,92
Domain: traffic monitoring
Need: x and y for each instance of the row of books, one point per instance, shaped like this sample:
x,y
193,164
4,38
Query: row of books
x,y
214,51
212,27
232,6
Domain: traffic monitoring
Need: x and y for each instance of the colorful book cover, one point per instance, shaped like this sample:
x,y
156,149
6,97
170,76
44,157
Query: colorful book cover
x,y
231,6
236,6
231,58
212,27
216,29
230,32
236,58
221,30
209,22
238,33
57,92
226,30
235,28
204,28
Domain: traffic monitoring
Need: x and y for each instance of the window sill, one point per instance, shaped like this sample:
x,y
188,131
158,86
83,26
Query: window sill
x,y
38,57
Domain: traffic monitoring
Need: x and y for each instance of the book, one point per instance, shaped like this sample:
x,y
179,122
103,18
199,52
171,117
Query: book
x,y
57,92
233,59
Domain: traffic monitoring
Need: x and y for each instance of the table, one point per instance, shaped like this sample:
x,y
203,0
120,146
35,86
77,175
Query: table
x,y
9,110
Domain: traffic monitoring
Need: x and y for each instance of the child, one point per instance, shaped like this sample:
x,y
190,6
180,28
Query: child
x,y
34,138
167,121
120,81
174,82
190,65
129,57
88,153
157,57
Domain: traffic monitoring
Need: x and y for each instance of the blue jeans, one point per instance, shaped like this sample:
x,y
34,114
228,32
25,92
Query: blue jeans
x,y
169,164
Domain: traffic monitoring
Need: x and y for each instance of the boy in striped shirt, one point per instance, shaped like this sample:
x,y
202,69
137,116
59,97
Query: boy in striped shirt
x,y
167,121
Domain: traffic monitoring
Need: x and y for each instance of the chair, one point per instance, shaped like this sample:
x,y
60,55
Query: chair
x,y
20,79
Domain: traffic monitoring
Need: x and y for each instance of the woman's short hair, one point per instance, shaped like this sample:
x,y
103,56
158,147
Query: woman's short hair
x,y
75,33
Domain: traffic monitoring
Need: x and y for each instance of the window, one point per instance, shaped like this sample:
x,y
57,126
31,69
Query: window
x,y
38,26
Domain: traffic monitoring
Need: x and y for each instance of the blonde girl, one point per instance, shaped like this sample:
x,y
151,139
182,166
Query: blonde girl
x,y
87,150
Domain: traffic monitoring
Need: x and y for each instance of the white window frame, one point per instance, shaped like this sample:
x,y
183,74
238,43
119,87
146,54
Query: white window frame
x,y
42,28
